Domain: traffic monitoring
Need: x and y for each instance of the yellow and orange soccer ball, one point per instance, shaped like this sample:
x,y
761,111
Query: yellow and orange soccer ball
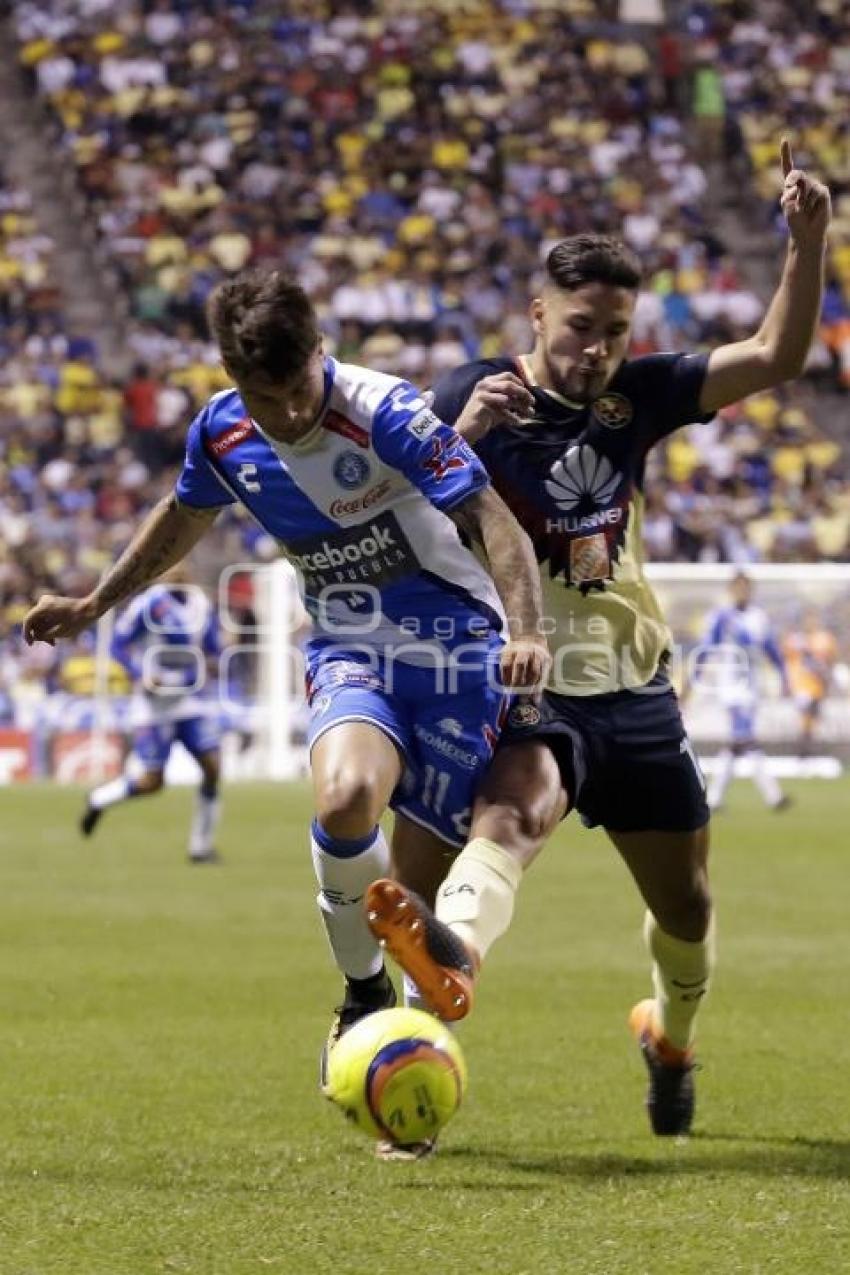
x,y
397,1074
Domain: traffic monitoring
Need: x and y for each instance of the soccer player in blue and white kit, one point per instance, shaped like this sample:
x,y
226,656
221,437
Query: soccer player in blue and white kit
x,y
738,636
366,490
166,640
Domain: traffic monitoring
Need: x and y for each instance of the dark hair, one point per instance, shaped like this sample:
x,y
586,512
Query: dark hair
x,y
265,323
593,259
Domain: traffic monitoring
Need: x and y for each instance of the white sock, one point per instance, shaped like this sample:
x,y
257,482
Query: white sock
x,y
110,793
477,896
344,869
204,823
767,785
720,779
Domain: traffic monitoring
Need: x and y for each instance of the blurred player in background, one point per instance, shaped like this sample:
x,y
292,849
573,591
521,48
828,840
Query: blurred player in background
x,y
810,656
168,642
737,638
366,489
564,433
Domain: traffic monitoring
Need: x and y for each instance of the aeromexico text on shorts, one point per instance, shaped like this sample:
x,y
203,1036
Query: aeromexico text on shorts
x,y
375,552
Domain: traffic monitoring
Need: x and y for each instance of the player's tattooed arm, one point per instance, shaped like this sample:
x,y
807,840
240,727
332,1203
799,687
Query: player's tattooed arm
x,y
486,519
779,349
168,533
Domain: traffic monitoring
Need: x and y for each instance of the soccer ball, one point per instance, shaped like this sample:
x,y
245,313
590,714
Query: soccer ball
x,y
397,1074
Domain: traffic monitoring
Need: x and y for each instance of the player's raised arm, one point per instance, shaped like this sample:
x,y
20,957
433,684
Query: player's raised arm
x,y
168,533
486,518
778,351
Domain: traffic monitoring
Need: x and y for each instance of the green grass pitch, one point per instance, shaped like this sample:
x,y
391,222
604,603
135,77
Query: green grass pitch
x,y
161,1026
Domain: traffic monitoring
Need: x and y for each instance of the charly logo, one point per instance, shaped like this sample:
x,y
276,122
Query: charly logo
x,y
351,470
581,475
524,714
613,411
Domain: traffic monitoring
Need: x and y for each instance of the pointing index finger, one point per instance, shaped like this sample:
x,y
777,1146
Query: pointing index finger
x,y
786,157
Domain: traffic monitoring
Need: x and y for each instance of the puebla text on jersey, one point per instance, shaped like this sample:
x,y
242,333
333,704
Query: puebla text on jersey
x,y
573,476
360,507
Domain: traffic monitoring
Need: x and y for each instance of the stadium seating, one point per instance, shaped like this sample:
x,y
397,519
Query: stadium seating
x,y
412,165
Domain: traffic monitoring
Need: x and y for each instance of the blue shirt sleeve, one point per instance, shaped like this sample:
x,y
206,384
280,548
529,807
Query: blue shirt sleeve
x,y
198,484
773,653
409,436
211,640
716,625
668,388
129,627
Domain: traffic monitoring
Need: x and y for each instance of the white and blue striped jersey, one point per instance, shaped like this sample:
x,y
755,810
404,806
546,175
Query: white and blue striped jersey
x,y
736,639
162,639
360,507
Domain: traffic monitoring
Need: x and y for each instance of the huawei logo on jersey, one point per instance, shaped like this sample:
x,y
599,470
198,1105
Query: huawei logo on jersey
x,y
582,476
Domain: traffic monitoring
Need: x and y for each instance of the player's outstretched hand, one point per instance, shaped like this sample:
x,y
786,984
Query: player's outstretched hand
x,y
495,400
805,203
54,617
525,664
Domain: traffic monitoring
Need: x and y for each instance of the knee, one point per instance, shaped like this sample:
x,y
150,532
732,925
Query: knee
x,y
210,770
150,781
534,818
348,804
520,823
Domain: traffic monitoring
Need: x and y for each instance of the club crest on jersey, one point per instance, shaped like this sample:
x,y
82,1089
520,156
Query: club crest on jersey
x,y
614,411
524,715
351,470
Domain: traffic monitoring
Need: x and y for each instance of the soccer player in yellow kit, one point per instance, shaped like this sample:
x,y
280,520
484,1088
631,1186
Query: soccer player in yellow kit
x,y
810,655
564,433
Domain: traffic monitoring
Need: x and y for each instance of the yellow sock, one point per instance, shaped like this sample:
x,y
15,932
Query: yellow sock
x,y
477,897
680,974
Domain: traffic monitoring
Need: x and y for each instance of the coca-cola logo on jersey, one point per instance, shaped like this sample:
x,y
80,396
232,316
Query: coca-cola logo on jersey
x,y
343,508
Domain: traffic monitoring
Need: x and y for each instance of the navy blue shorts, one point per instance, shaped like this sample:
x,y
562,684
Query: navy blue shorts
x,y
625,759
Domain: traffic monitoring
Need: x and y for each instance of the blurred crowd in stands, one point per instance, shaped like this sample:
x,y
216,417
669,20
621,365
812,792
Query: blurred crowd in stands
x,y
413,164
